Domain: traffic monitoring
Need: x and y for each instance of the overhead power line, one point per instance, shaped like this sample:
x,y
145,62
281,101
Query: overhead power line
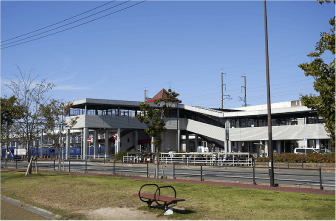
x,y
75,25
64,25
59,22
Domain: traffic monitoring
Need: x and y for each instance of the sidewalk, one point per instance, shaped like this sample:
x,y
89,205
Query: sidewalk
x,y
16,210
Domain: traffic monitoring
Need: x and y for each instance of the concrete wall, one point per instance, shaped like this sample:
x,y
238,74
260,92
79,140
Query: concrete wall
x,y
169,141
126,141
292,132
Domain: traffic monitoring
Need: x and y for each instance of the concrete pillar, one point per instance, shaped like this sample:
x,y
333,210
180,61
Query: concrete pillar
x,y
318,144
239,146
117,142
278,144
229,146
95,148
196,142
266,147
178,131
107,146
85,143
187,141
81,142
67,145
152,146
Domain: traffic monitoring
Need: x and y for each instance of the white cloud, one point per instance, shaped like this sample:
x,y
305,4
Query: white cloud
x,y
69,87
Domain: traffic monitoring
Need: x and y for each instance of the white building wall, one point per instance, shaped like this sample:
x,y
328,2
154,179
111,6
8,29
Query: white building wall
x,y
291,132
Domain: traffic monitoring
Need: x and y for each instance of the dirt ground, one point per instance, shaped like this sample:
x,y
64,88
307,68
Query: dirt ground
x,y
103,213
110,213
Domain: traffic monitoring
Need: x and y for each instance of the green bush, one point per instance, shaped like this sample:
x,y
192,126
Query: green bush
x,y
120,155
298,158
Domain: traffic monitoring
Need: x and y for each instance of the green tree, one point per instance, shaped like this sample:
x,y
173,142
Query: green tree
x,y
10,112
324,75
54,117
155,119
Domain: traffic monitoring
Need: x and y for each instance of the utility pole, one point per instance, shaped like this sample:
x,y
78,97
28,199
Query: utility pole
x,y
222,97
270,148
244,88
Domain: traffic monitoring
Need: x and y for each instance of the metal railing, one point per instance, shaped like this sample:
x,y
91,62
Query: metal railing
x,y
178,170
210,159
209,162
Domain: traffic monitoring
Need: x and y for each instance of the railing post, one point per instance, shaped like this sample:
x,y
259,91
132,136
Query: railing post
x,y
6,163
174,171
254,183
113,167
54,164
104,159
147,169
85,166
201,173
320,173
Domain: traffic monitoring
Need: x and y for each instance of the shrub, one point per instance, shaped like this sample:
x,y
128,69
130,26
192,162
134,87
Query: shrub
x,y
298,158
120,155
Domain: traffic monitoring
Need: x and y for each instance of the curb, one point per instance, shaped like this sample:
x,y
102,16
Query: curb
x,y
39,211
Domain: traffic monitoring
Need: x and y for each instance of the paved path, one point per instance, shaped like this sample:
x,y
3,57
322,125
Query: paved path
x,y
12,212
16,210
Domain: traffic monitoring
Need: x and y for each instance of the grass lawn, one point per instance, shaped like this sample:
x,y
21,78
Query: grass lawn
x,y
67,195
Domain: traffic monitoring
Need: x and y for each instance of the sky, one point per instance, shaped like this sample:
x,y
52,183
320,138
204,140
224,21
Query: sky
x,y
182,45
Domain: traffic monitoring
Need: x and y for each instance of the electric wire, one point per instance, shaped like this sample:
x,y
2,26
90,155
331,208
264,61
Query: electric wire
x,y
59,22
76,25
64,25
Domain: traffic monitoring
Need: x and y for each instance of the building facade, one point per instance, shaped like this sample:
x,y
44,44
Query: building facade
x,y
113,124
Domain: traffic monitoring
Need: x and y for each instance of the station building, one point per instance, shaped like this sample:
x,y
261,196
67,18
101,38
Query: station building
x,y
113,125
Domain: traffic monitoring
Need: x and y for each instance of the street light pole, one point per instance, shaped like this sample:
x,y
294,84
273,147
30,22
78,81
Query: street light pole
x,y
270,147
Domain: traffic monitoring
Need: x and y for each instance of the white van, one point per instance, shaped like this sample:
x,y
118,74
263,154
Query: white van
x,y
304,150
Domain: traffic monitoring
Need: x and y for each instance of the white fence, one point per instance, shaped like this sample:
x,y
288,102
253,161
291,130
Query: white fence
x,y
214,159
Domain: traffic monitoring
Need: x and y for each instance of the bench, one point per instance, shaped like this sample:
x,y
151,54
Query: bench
x,y
150,198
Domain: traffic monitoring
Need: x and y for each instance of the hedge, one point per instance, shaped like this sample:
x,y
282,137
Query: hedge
x,y
298,158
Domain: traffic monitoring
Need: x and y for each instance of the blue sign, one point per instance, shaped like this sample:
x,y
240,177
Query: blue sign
x,y
304,139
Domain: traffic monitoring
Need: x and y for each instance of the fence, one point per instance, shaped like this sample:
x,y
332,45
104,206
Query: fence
x,y
201,172
210,159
